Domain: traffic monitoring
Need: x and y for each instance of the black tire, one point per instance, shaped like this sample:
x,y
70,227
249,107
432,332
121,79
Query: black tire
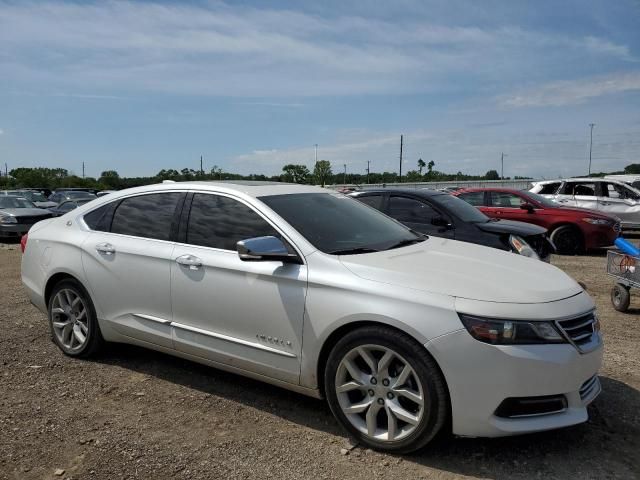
x,y
568,240
436,407
94,341
620,297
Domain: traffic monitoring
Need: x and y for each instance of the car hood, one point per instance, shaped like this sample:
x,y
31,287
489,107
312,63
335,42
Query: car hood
x,y
465,270
513,227
24,212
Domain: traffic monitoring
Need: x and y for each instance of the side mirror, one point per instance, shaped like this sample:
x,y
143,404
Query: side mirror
x,y
440,222
528,207
265,249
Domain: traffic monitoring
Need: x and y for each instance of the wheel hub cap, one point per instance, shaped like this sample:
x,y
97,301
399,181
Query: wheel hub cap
x,y
69,319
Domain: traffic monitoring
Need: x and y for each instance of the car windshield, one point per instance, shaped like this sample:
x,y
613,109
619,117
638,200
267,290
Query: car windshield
x,y
15,202
545,202
337,224
461,209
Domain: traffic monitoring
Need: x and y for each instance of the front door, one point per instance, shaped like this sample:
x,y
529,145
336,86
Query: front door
x,y
246,314
620,201
420,216
580,194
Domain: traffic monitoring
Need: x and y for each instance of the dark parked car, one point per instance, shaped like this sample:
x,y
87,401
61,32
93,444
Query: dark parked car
x,y
60,196
439,214
18,214
68,205
572,229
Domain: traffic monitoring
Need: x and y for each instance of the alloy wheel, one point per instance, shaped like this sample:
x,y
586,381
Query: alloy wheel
x,y
379,393
69,317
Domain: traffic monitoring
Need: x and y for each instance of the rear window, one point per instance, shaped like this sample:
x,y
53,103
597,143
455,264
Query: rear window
x,y
147,216
374,201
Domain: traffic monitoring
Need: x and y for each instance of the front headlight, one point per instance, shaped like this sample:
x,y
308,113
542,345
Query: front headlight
x,y
523,248
597,221
510,332
7,219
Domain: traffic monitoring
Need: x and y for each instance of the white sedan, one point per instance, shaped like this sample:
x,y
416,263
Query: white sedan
x,y
318,293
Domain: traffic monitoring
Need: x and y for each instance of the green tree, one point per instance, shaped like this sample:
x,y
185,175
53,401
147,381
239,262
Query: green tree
x,y
322,172
295,173
492,175
633,168
421,165
413,176
110,179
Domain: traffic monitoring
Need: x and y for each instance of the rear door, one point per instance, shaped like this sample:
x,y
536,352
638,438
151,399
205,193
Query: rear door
x,y
582,194
127,260
479,200
506,205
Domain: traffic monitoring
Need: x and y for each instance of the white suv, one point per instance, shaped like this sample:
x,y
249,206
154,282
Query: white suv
x,y
613,197
318,293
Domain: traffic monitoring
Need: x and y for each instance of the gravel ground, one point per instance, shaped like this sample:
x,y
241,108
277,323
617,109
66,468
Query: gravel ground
x,y
133,413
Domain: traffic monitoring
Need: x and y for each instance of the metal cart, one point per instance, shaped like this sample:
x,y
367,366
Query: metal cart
x,y
626,270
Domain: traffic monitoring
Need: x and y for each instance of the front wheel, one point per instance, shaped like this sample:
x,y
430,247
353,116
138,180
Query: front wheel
x,y
568,240
386,390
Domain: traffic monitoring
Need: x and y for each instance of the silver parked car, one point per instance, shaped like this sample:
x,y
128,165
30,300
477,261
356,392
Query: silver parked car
x,y
318,293
17,215
609,196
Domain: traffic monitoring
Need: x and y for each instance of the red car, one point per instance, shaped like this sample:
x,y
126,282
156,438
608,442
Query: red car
x,y
572,230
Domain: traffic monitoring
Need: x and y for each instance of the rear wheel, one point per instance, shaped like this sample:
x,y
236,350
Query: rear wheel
x,y
73,321
620,297
568,240
386,390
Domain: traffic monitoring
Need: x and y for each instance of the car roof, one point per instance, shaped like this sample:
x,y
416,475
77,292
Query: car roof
x,y
248,188
423,192
492,189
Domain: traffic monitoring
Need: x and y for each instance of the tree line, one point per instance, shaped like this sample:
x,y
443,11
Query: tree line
x,y
322,174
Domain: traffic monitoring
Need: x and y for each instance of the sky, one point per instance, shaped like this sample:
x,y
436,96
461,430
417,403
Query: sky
x,y
140,86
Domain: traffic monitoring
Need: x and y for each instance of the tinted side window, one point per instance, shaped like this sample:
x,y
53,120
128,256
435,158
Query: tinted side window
x,y
549,188
221,222
474,198
68,206
505,200
100,218
374,201
148,216
410,210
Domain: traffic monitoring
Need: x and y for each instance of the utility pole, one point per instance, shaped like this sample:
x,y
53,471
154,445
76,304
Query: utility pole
x,y
82,169
316,145
6,170
201,170
502,166
590,145
344,180
401,158
368,164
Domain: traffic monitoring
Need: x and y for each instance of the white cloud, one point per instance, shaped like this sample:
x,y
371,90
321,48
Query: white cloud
x,y
230,50
573,92
1,131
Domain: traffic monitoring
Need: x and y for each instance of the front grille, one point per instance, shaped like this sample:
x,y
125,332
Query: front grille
x,y
590,389
581,331
30,220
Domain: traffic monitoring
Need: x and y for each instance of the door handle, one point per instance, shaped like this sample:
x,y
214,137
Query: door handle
x,y
562,201
499,212
191,261
605,203
105,248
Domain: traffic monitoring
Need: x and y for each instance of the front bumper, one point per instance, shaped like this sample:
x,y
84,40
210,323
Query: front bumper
x,y
481,376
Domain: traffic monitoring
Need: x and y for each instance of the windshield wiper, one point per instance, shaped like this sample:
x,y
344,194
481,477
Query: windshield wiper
x,y
405,242
353,251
